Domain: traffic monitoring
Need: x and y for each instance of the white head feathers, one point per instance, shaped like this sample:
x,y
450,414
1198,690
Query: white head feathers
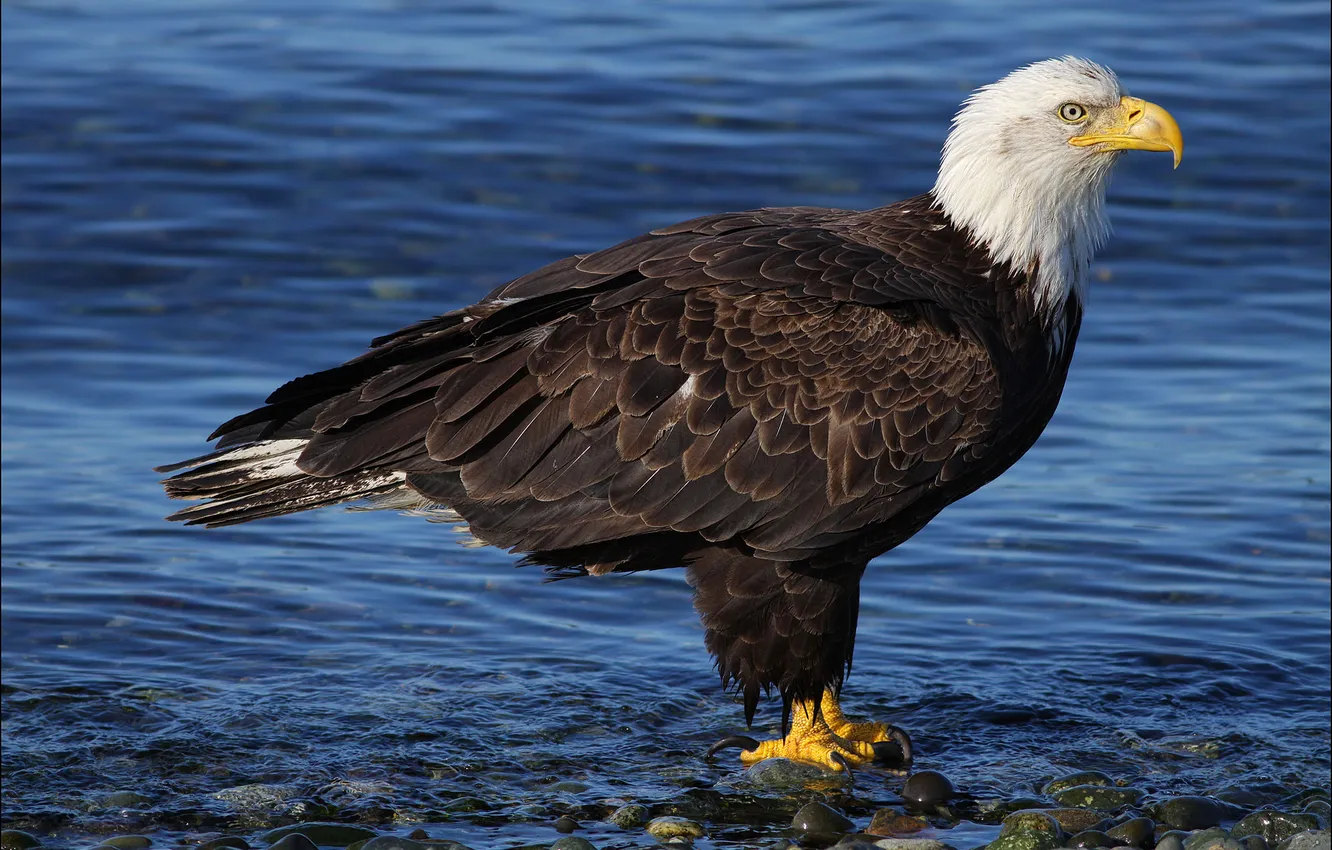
x,y
1009,176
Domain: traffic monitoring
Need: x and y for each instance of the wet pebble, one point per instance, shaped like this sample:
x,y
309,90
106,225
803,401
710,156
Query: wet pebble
x,y
927,788
124,800
1320,808
672,828
1274,826
1090,838
1072,780
293,841
254,797
1214,838
1032,820
628,817
128,842
1253,842
565,824
573,842
1172,840
892,822
225,842
1314,839
821,819
17,839
784,773
1076,820
1189,812
1100,797
1137,832
334,834
911,844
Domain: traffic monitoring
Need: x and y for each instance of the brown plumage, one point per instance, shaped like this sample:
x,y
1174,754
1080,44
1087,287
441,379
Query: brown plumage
x,y
769,399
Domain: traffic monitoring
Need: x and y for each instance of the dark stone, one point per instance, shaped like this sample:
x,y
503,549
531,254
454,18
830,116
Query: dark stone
x,y
1253,842
1189,812
128,842
17,839
820,819
335,834
418,834
565,824
225,842
1274,826
1025,839
1321,808
1314,839
785,773
1172,840
125,800
1084,777
1090,838
394,842
1032,820
927,788
1137,832
293,841
1100,797
572,842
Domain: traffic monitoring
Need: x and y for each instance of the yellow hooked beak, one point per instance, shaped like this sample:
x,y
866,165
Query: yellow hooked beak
x,y
1137,125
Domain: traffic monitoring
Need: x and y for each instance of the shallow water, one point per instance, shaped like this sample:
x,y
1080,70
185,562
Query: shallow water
x,y
203,201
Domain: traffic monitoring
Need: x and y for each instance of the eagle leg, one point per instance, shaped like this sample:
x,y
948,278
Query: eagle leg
x,y
821,735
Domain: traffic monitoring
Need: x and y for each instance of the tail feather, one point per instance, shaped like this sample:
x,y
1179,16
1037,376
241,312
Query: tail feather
x,y
263,479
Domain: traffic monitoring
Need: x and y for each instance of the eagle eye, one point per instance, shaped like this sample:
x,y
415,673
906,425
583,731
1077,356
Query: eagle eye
x,y
1072,112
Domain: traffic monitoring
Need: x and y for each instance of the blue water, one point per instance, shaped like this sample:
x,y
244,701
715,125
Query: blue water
x,y
202,200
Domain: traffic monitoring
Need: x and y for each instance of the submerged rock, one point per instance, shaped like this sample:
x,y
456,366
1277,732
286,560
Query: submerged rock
x,y
1083,777
1189,812
911,844
671,828
1172,840
128,842
1074,821
293,841
1100,797
565,824
893,822
17,839
225,842
1214,838
393,842
821,819
785,773
1092,838
573,842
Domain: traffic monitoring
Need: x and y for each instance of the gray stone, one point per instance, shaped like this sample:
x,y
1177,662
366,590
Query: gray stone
x,y
124,800
675,829
225,842
927,788
335,834
1100,797
821,819
1137,832
1321,808
17,839
1084,777
1189,812
573,842
1253,842
565,824
1214,838
1314,839
628,817
293,841
1172,840
1275,826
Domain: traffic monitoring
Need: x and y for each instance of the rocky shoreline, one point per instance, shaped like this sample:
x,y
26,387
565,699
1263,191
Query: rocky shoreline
x,y
1087,810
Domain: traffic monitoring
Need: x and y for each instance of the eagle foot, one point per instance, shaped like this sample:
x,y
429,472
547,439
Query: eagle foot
x,y
822,736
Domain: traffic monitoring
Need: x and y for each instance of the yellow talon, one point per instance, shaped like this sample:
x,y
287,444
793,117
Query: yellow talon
x,y
823,736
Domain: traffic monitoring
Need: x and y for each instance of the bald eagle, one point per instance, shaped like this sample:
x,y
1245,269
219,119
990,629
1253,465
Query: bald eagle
x,y
768,399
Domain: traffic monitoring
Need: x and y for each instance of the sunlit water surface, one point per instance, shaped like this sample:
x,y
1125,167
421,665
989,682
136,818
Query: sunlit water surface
x,y
203,200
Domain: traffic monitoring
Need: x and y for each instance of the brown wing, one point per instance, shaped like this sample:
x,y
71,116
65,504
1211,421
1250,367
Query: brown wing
x,y
767,378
